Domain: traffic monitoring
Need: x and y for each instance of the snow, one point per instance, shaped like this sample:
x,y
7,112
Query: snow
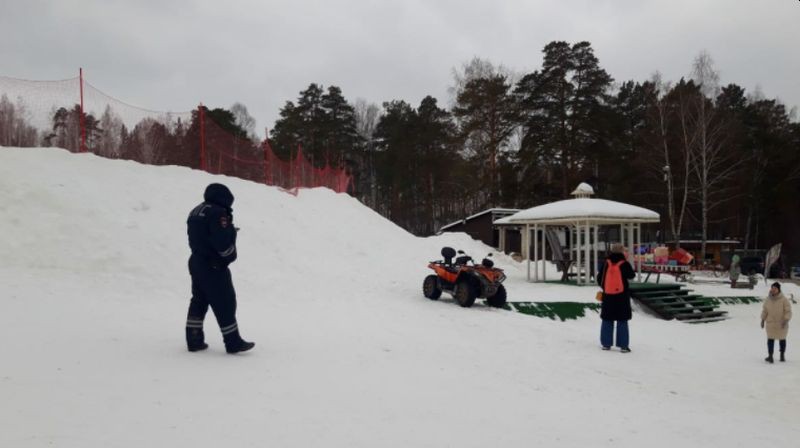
x,y
581,208
583,189
349,353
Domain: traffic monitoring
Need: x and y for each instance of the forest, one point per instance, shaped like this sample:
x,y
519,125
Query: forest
x,y
716,161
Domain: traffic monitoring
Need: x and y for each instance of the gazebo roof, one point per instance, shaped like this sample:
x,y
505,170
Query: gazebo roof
x,y
580,210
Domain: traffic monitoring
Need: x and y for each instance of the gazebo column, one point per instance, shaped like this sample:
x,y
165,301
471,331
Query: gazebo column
x,y
544,253
630,243
639,259
578,266
526,234
536,252
571,229
502,239
588,258
594,249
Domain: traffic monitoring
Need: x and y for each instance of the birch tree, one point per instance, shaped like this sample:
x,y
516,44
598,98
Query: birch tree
x,y
713,167
670,112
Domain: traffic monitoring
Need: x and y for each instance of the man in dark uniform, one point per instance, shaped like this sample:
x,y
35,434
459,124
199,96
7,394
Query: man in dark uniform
x,y
212,238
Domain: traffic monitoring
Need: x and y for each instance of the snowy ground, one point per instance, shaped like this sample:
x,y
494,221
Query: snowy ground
x,y
349,354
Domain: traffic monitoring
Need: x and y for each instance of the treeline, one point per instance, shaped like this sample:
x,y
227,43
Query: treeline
x,y
156,140
715,161
15,129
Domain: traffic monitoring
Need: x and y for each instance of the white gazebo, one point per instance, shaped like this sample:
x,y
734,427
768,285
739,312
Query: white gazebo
x,y
582,218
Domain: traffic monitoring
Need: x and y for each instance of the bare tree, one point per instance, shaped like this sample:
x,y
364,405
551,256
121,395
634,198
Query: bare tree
x,y
111,125
683,153
244,120
712,164
15,129
477,68
367,116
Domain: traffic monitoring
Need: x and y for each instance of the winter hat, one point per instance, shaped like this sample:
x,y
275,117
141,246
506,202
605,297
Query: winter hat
x,y
617,248
777,286
219,194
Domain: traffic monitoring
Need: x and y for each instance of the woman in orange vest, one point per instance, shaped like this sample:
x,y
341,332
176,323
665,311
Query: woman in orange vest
x,y
613,277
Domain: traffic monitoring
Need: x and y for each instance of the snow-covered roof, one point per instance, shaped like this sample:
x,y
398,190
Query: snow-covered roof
x,y
581,209
500,211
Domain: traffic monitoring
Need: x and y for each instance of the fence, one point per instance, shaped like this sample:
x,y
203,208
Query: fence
x,y
75,115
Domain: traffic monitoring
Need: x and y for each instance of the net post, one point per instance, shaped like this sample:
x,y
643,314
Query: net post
x,y
201,114
82,121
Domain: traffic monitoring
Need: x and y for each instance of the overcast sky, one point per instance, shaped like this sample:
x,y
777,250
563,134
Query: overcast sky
x,y
171,55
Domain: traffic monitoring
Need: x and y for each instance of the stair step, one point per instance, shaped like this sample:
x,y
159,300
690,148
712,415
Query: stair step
x,y
706,320
690,316
660,293
673,307
675,302
676,299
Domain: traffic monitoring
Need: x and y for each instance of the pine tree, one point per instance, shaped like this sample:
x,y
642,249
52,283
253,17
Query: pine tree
x,y
487,116
562,114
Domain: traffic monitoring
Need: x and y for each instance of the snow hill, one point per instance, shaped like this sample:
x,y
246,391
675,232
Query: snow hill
x,y
349,354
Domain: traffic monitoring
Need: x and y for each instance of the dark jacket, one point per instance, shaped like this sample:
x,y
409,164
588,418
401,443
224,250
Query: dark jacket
x,y
616,306
212,236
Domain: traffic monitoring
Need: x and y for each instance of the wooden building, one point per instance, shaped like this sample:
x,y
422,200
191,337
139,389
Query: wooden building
x,y
480,226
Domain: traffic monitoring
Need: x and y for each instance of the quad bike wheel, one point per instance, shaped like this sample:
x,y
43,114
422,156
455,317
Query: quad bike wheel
x,y
498,300
464,293
430,287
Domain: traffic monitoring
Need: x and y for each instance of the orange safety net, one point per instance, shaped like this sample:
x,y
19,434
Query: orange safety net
x,y
74,115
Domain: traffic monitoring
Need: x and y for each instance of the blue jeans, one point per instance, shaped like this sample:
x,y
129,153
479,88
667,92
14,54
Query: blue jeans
x,y
607,333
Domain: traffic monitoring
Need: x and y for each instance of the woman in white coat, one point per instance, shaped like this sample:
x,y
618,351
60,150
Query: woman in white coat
x,y
775,317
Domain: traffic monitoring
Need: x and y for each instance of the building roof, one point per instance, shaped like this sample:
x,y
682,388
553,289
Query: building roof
x,y
731,242
581,209
497,211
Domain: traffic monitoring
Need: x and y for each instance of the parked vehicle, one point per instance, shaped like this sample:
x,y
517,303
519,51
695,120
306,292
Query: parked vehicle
x,y
465,280
752,265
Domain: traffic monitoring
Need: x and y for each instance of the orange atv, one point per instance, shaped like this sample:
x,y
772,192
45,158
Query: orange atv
x,y
465,280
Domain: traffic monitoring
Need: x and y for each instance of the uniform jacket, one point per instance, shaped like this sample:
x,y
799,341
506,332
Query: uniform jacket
x,y
212,236
777,310
616,306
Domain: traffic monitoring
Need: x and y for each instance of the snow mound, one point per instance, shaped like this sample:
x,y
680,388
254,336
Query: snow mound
x,y
94,296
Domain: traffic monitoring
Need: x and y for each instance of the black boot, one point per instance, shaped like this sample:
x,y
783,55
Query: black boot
x,y
242,346
769,359
195,339
235,344
783,358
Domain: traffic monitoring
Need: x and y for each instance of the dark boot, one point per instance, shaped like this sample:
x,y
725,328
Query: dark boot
x,y
235,344
783,358
195,339
769,359
242,346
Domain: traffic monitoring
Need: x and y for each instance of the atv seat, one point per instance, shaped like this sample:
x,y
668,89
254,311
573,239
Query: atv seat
x,y
448,253
464,259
